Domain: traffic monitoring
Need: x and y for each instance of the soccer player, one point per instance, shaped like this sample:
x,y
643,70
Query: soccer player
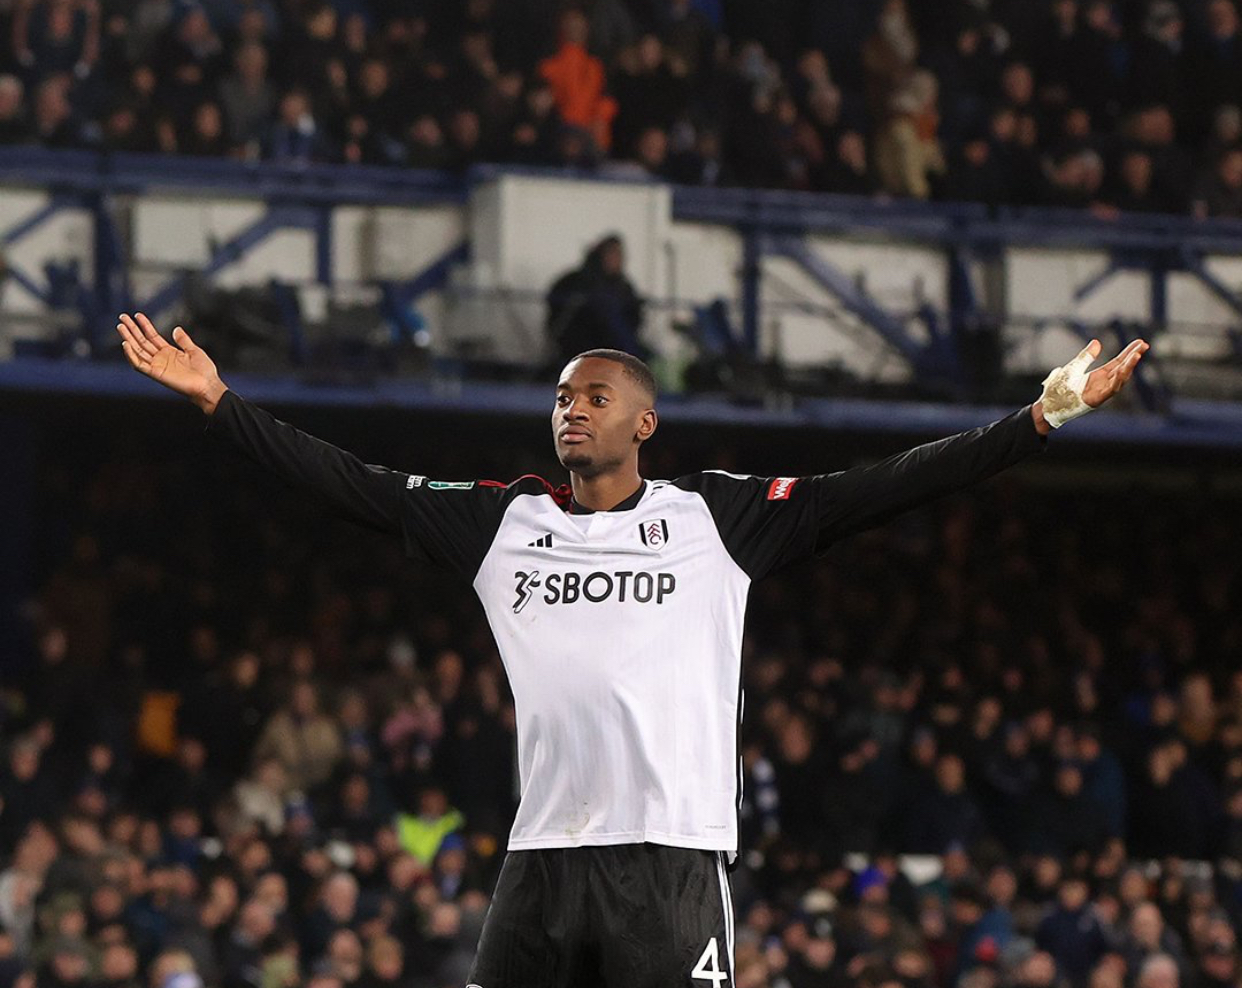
x,y
617,604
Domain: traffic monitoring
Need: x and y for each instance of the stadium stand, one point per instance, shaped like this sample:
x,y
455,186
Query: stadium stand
x,y
250,748
1110,105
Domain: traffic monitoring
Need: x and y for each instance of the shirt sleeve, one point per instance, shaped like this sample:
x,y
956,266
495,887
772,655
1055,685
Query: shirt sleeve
x,y
451,524
770,522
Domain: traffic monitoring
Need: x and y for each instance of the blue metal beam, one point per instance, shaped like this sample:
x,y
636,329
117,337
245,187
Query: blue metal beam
x,y
1189,424
434,276
276,218
27,283
38,218
1097,281
928,362
1193,264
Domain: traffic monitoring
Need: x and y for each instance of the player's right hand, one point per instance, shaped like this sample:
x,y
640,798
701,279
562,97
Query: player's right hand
x,y
184,367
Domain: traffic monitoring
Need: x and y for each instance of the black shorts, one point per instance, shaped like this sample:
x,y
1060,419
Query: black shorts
x,y
620,916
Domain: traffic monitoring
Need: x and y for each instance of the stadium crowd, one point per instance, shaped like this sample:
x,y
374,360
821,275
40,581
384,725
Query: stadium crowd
x,y
1113,105
247,747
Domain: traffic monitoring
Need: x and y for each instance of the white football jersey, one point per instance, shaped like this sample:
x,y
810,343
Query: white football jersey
x,y
621,630
622,641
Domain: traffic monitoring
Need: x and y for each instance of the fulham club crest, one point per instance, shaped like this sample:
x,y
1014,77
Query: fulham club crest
x,y
653,533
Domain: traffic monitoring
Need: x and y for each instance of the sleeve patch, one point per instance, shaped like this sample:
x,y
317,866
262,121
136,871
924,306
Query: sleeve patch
x,y
781,488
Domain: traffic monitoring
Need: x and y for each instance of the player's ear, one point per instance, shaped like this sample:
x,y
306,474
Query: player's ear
x,y
646,426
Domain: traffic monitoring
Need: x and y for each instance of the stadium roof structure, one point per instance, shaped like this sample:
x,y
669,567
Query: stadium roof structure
x,y
1169,410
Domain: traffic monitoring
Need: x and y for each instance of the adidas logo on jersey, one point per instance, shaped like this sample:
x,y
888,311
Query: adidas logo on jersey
x,y
543,543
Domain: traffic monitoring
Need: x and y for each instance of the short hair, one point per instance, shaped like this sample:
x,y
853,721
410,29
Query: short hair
x,y
635,369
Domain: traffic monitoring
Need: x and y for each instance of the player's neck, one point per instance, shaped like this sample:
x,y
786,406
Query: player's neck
x,y
606,491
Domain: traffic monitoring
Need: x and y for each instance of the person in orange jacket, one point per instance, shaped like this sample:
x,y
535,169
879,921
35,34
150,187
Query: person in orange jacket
x,y
578,82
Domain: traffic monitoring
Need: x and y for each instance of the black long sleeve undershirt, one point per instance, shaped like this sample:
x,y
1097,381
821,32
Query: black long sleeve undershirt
x,y
761,532
367,494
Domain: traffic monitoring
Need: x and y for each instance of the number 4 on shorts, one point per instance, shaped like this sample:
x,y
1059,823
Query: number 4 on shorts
x,y
708,966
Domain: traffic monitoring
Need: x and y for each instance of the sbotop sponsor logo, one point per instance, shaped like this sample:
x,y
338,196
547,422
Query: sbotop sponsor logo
x,y
623,586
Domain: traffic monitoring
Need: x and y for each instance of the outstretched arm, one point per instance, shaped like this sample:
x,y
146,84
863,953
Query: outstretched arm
x,y
861,498
769,522
366,494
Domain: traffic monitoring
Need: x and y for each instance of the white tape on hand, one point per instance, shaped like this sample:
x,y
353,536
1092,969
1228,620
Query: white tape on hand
x,y
1062,397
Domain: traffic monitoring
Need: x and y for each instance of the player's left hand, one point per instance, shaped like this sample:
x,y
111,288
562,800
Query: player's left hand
x,y
1071,391
1106,381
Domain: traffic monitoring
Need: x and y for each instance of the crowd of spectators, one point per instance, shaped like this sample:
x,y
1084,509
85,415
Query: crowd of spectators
x,y
1113,105
245,746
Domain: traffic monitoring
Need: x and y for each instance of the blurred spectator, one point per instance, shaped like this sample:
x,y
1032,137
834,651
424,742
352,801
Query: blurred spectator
x,y
421,834
945,813
247,96
13,127
908,155
889,57
578,81
1213,65
206,137
188,62
847,171
975,175
1159,50
595,305
55,123
55,37
1135,191
650,91
305,741
296,137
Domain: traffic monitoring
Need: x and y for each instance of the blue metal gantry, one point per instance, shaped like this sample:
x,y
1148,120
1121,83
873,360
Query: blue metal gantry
x,y
772,225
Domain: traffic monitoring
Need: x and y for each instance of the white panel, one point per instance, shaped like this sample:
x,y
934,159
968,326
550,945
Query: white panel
x,y
1031,350
1125,295
896,275
18,204
1191,301
1228,270
179,232
526,232
403,242
172,233
706,261
226,218
65,236
530,230
1042,282
836,340
286,255
15,300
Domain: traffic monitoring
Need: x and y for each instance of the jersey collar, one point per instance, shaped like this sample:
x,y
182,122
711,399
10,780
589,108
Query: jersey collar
x,y
628,504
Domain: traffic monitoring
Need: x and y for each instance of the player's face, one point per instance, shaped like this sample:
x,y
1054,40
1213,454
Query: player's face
x,y
600,417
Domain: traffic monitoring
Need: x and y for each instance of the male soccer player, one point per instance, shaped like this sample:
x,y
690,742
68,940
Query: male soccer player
x,y
617,605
